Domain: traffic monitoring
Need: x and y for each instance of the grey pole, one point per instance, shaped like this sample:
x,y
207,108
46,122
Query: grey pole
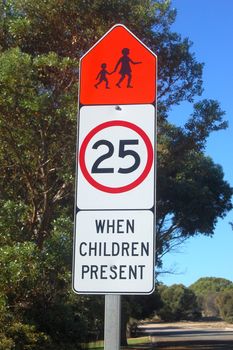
x,y
112,322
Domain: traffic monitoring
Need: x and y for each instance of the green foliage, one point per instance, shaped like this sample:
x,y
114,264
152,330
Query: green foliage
x,y
19,270
225,304
26,337
13,216
207,117
36,169
179,303
208,290
140,307
36,291
207,285
17,335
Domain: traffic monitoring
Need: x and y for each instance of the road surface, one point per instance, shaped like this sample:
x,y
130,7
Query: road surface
x,y
189,335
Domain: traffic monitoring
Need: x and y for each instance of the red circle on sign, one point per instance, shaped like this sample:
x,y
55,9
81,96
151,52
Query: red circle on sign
x,y
134,183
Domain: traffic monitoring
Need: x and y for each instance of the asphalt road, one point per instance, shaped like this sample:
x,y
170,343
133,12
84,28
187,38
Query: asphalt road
x,y
180,335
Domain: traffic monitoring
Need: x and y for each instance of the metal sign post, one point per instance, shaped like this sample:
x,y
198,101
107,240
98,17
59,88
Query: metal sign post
x,y
112,322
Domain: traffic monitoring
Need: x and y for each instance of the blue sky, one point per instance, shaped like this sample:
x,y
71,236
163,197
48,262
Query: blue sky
x,y
208,24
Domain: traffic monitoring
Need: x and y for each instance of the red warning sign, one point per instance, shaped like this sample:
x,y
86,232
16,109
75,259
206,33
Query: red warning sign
x,y
119,69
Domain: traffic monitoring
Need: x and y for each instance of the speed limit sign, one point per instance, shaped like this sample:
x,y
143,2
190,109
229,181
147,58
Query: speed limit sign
x,y
116,157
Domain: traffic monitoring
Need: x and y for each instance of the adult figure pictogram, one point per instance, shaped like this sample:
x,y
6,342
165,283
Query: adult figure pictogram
x,y
125,68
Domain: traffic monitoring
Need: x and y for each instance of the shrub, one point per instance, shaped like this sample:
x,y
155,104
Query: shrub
x,y
179,303
225,304
26,337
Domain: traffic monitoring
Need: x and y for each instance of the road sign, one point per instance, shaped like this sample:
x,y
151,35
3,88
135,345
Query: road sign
x,y
119,69
113,252
115,182
116,157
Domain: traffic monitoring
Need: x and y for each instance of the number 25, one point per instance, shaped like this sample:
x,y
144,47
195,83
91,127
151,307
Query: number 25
x,y
122,154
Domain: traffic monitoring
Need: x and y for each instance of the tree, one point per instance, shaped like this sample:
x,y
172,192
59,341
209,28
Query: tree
x,y
36,169
208,290
179,303
225,304
40,44
205,285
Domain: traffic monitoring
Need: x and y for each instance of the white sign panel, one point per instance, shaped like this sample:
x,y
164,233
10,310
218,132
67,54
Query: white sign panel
x,y
113,252
116,157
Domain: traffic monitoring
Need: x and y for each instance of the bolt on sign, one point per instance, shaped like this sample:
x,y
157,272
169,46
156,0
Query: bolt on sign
x,y
115,180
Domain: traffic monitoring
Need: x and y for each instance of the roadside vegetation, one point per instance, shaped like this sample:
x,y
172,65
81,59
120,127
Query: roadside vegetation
x,y
208,299
215,297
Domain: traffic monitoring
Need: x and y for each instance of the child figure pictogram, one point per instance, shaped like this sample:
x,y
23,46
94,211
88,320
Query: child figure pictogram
x,y
125,68
102,76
